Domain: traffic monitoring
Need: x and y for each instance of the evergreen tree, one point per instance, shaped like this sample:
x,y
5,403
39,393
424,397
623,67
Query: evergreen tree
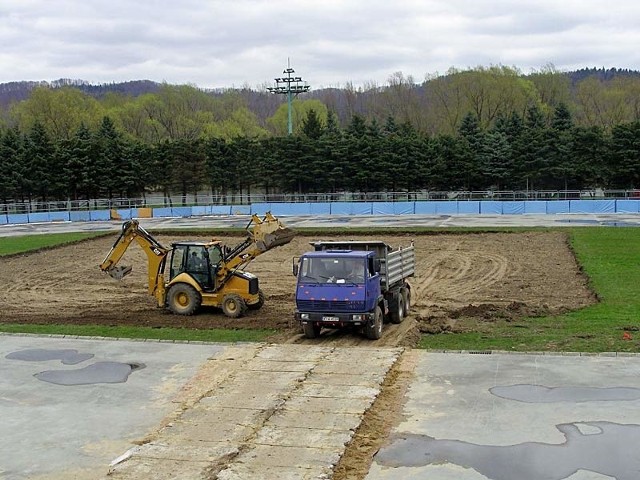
x,y
624,159
42,174
471,141
12,163
312,126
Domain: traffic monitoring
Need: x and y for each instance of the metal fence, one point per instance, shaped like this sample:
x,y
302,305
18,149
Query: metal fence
x,y
248,199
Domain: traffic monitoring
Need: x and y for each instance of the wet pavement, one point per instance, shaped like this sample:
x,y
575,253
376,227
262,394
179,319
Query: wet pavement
x,y
524,417
84,409
70,406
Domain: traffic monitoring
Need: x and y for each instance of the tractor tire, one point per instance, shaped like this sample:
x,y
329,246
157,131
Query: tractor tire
x,y
311,330
397,313
233,305
406,294
373,329
258,305
183,299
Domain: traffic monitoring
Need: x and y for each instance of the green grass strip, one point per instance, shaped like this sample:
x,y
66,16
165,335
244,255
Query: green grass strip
x,y
28,243
180,334
611,259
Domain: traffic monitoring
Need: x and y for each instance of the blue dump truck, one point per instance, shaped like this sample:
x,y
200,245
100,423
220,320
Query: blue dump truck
x,y
360,284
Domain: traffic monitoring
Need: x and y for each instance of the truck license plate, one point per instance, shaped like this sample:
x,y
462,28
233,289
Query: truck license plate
x,y
330,319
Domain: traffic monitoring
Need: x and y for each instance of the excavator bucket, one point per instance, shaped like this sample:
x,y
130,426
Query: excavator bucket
x,y
269,233
120,272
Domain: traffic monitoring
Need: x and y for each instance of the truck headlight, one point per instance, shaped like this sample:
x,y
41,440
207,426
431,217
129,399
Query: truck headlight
x,y
357,317
304,316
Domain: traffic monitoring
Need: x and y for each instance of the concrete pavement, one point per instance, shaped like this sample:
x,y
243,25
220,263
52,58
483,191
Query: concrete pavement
x,y
57,430
182,410
524,417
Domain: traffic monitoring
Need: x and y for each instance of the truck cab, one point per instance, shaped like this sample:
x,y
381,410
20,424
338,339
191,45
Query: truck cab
x,y
354,283
336,288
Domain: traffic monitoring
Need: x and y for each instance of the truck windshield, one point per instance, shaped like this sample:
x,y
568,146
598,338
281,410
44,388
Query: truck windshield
x,y
332,270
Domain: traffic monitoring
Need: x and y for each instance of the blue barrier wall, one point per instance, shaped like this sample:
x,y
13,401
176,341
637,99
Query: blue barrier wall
x,y
627,206
535,207
39,217
513,208
59,216
241,210
351,208
393,208
97,215
471,207
592,206
491,208
84,216
320,208
220,209
435,207
17,218
560,206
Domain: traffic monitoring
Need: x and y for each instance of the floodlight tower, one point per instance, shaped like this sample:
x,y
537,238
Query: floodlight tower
x,y
291,87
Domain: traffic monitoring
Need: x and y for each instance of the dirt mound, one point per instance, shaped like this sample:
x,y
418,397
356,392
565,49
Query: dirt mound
x,y
485,276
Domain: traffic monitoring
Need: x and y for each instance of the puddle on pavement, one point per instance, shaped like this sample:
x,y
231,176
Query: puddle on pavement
x,y
542,394
602,447
67,357
99,372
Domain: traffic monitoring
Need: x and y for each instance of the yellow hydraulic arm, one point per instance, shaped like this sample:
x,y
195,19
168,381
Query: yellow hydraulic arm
x,y
267,233
156,255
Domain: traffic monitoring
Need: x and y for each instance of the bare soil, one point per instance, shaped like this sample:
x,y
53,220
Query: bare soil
x,y
484,276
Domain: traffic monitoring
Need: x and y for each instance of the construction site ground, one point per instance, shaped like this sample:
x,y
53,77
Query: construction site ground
x,y
458,277
461,280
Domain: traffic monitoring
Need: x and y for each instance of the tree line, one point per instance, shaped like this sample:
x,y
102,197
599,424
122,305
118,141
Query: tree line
x,y
531,150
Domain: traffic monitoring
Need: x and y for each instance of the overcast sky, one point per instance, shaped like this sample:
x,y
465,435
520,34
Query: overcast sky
x,y
227,43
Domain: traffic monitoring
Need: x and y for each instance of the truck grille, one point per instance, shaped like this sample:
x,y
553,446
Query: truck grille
x,y
330,305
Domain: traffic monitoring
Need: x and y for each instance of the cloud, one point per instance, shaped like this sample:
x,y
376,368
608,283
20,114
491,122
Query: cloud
x,y
221,43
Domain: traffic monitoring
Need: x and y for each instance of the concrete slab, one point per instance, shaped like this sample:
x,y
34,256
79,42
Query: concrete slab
x,y
51,430
525,417
296,432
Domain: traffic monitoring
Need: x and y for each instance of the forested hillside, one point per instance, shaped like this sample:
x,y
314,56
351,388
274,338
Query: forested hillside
x,y
484,128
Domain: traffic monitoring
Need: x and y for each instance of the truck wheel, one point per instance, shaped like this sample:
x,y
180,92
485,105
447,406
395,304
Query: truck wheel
x,y
258,305
397,307
406,294
311,330
233,305
183,299
373,329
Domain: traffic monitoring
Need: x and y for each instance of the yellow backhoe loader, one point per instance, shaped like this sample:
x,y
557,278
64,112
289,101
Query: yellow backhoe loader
x,y
201,273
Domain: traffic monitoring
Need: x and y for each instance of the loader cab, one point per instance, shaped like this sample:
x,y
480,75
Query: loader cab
x,y
199,260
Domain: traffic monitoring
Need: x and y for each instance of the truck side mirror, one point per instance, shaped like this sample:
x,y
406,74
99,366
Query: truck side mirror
x,y
296,266
376,265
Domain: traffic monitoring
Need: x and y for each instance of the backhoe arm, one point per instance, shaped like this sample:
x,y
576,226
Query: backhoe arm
x,y
156,254
267,233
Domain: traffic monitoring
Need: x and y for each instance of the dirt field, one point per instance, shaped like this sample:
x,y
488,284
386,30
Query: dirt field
x,y
486,276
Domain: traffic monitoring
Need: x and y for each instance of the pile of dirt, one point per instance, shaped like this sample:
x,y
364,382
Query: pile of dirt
x,y
485,276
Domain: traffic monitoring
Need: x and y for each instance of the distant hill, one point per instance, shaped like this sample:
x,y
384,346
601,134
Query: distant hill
x,y
604,74
341,101
16,91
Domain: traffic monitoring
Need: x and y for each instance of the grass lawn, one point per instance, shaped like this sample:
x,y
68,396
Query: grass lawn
x,y
182,334
611,259
27,243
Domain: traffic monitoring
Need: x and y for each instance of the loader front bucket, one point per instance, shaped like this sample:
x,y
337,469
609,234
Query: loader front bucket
x,y
269,233
120,272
